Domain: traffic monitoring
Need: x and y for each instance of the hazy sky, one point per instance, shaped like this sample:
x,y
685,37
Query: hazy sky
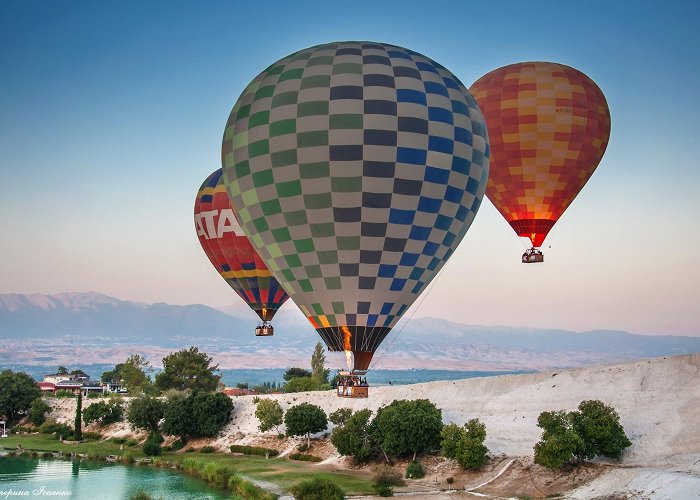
x,y
112,114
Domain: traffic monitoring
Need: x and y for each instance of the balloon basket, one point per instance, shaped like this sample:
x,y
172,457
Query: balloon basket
x,y
352,384
264,330
533,255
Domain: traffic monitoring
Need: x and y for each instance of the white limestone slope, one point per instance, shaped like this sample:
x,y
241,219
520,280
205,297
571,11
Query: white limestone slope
x,y
658,401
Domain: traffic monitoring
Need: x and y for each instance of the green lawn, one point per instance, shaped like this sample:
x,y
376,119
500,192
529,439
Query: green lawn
x,y
280,471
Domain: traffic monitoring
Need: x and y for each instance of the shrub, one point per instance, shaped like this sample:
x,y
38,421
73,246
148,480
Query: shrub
x,y
304,457
103,413
193,466
131,442
559,439
384,479
317,488
217,474
465,444
405,427
340,416
270,414
118,440
38,411
599,427
177,444
303,447
414,470
152,447
20,428
353,437
253,450
95,436
207,449
52,427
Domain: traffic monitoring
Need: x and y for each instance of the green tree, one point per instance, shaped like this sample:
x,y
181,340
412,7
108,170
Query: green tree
x,y
318,361
305,419
598,426
177,417
113,376
295,372
38,411
559,440
103,413
188,369
406,427
62,370
198,414
270,414
210,412
305,384
145,412
352,438
465,444
340,416
17,391
134,373
78,432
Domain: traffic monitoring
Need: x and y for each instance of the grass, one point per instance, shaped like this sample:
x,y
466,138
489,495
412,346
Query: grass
x,y
280,471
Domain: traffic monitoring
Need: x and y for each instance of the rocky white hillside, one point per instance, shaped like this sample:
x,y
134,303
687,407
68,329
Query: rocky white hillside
x,y
658,401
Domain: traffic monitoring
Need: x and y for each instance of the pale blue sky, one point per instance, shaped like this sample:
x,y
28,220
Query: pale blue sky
x,y
112,113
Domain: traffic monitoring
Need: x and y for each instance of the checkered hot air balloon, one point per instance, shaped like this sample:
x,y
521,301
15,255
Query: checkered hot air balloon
x,y
549,125
356,169
232,254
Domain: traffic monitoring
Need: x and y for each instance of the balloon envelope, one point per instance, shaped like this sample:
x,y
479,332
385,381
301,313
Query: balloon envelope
x,y
549,125
230,251
356,169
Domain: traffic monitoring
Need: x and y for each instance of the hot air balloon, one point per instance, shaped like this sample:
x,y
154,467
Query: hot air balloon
x,y
356,169
232,255
549,125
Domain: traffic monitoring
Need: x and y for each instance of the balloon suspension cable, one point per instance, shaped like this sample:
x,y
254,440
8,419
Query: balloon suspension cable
x,y
408,320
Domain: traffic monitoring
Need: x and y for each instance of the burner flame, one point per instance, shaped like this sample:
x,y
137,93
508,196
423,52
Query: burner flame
x,y
347,335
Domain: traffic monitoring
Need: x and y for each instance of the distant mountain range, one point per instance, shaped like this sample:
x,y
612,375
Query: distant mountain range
x,y
38,329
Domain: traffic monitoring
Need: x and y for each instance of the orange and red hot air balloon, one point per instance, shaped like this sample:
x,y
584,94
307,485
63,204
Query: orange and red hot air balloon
x,y
548,126
231,253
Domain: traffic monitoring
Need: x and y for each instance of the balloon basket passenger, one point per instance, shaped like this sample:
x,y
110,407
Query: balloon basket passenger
x,y
264,330
352,384
533,255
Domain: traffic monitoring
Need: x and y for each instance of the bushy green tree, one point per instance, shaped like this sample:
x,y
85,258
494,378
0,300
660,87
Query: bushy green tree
x,y
465,444
593,430
295,372
598,426
17,391
103,413
305,419
188,369
270,414
352,438
145,412
210,412
38,411
340,416
384,479
559,440
198,414
405,427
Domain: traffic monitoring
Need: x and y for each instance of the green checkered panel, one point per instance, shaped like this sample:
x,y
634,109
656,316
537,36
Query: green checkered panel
x,y
356,169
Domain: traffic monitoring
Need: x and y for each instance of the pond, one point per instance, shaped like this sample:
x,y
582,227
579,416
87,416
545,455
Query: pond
x,y
41,478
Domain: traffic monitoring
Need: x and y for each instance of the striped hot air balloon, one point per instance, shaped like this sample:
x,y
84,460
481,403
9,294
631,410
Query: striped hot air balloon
x,y
231,253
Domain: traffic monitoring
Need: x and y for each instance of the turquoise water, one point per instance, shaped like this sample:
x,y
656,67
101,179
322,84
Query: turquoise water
x,y
82,480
